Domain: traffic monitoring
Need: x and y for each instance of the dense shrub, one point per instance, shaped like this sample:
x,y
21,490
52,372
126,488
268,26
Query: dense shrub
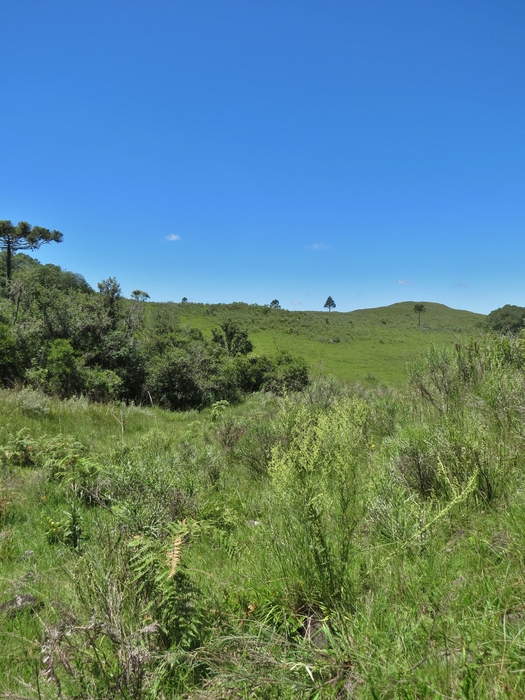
x,y
63,375
10,361
508,319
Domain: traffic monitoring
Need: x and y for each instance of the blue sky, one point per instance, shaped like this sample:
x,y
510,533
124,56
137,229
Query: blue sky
x,y
246,150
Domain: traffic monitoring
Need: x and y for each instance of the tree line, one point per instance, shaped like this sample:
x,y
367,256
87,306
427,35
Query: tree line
x,y
60,335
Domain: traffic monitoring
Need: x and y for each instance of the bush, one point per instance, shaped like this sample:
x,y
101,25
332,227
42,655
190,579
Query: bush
x,y
102,384
32,402
290,374
507,319
318,481
64,376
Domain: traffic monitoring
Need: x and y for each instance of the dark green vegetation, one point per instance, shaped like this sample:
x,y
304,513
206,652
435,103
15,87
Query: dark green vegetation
x,y
508,319
329,304
59,336
341,542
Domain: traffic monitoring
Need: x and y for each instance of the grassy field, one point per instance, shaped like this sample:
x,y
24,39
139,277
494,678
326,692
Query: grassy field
x,y
349,542
365,344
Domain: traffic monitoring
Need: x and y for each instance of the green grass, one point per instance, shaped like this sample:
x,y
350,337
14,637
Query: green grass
x,y
257,500
363,344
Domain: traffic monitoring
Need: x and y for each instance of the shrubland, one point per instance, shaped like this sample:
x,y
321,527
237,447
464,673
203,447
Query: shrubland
x,y
61,337
342,541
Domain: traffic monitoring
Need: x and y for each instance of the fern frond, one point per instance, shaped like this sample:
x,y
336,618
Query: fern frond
x,y
174,555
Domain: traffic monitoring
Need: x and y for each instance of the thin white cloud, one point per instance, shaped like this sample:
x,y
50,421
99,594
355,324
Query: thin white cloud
x,y
406,283
173,237
460,285
297,303
317,246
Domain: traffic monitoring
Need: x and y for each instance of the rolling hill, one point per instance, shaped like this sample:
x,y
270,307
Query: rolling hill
x,y
366,344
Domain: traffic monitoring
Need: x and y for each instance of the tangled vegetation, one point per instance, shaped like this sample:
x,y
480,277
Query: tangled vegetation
x,y
347,541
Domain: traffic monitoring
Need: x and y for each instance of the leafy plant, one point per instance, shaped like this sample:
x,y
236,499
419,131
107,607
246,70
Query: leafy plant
x,y
317,478
170,596
21,450
66,530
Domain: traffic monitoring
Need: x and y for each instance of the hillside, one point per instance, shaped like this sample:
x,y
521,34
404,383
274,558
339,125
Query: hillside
x,y
362,344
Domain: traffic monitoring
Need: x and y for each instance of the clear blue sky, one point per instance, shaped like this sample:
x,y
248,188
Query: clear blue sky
x,y
292,149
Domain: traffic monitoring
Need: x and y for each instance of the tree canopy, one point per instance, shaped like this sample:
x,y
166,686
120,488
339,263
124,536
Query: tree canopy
x,y
329,304
23,236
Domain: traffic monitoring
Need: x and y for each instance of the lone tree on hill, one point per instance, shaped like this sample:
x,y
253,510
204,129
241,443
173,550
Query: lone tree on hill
x,y
419,309
23,236
275,304
329,304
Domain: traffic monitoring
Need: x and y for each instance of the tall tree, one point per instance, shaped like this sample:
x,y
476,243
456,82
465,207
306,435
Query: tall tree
x,y
23,236
275,304
329,304
419,309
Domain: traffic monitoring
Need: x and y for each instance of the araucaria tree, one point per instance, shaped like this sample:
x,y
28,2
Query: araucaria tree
x,y
419,309
329,304
23,236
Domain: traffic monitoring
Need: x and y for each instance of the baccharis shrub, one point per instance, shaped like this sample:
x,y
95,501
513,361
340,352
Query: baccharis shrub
x,y
318,481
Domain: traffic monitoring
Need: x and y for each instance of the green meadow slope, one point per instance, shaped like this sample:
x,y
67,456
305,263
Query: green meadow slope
x,y
364,344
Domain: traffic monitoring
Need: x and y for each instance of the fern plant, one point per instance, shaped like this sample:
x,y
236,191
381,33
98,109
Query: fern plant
x,y
169,595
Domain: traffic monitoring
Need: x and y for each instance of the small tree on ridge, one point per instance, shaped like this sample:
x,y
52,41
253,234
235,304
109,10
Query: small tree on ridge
x,y
329,304
419,309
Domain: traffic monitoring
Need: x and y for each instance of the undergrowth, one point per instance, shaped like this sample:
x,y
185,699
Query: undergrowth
x,y
350,541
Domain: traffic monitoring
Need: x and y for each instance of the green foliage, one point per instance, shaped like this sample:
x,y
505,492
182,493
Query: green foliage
x,y
329,304
378,552
372,341
21,450
507,319
343,541
156,483
318,479
10,361
23,236
251,443
182,378
63,375
232,338
139,295
62,457
66,530
290,374
171,598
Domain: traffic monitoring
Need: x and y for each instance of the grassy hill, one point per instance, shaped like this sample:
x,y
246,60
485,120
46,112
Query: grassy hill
x,y
364,344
